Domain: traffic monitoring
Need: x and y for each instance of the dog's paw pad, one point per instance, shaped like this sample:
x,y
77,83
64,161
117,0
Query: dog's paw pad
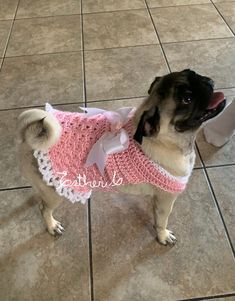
x,y
166,237
56,228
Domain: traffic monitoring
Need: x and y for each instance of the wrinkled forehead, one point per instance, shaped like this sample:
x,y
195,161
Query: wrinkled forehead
x,y
200,85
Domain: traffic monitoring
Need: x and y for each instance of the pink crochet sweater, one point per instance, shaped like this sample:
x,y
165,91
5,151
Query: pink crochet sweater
x,y
63,166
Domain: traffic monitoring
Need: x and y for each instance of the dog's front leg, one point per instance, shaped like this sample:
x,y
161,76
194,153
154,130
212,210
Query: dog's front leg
x,y
162,206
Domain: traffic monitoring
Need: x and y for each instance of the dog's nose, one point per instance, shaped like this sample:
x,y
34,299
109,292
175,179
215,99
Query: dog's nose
x,y
211,83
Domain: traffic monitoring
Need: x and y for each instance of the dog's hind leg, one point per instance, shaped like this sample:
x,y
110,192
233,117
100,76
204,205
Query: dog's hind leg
x,y
162,206
50,201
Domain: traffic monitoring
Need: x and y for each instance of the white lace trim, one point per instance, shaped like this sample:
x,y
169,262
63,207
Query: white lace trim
x,y
164,172
45,168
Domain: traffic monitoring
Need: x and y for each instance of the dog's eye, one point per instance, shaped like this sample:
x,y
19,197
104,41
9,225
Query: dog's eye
x,y
187,98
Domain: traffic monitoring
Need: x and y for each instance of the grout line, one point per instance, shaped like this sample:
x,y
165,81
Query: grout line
x,y
113,11
216,202
103,12
83,60
45,17
15,188
90,248
222,165
220,212
154,26
223,1
41,106
108,11
45,53
117,98
9,35
92,101
121,47
222,17
198,167
208,297
71,103
199,40
89,201
167,6
78,14
130,46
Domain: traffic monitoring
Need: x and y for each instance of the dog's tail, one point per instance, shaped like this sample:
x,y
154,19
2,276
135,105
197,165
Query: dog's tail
x,y
38,129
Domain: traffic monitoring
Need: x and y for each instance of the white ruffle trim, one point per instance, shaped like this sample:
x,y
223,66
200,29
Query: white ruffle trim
x,y
45,168
183,180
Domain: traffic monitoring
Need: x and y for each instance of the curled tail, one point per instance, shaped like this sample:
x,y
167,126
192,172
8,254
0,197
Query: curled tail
x,y
38,129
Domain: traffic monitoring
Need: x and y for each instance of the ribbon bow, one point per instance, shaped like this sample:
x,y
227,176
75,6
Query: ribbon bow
x,y
112,142
117,119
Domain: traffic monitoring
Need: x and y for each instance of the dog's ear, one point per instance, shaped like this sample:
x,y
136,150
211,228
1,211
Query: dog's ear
x,y
153,83
148,124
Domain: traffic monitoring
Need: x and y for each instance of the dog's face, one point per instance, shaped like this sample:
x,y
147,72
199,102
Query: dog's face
x,y
183,99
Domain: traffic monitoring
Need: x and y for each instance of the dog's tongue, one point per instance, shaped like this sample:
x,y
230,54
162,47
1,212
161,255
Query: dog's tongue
x,y
217,98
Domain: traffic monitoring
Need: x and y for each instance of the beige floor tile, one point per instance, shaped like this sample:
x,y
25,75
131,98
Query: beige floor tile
x,y
214,58
212,155
137,268
8,160
223,180
115,104
90,6
5,27
45,35
7,9
118,29
42,8
198,162
162,3
123,72
32,80
227,9
184,23
33,264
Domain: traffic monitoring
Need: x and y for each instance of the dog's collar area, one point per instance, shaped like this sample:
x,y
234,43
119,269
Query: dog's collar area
x,y
181,179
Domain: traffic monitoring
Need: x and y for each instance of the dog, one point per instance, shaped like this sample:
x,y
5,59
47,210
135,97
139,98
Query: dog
x,y
164,127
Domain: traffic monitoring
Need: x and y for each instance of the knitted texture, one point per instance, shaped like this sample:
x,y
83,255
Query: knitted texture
x,y
63,164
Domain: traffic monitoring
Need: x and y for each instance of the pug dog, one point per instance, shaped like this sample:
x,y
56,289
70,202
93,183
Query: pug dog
x,y
164,128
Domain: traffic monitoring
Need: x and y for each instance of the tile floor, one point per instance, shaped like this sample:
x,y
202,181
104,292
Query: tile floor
x,y
105,53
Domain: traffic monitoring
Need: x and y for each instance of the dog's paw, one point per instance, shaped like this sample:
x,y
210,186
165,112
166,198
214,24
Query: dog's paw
x,y
166,237
55,228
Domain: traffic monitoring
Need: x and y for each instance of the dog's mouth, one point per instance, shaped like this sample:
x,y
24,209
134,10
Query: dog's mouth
x,y
216,106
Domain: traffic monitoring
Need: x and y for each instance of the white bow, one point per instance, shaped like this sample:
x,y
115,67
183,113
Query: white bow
x,y
112,142
117,118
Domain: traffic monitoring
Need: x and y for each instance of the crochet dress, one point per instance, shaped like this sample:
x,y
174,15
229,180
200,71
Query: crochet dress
x,y
64,167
